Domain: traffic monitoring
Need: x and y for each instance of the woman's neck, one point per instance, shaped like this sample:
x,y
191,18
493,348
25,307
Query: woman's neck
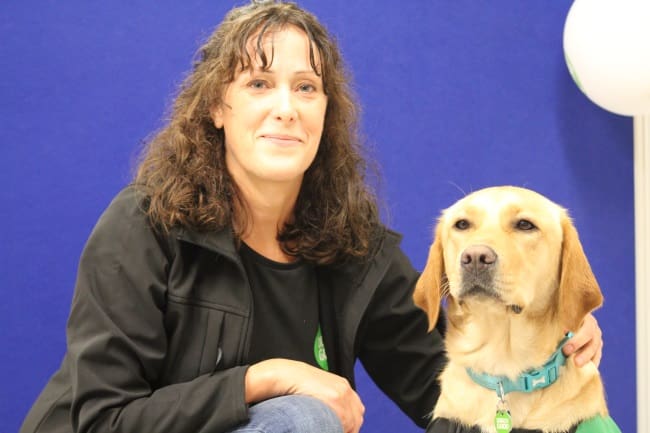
x,y
268,208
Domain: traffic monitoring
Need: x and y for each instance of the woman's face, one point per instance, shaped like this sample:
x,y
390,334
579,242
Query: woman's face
x,y
273,120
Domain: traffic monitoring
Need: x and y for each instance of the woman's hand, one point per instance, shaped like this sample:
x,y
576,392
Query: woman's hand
x,y
276,377
587,343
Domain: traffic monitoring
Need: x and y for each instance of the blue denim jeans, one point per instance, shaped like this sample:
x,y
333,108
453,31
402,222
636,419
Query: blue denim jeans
x,y
291,414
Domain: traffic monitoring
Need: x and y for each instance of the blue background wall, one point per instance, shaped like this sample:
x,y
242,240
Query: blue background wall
x,y
457,95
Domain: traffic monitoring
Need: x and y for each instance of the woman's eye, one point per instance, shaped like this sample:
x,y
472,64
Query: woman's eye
x,y
525,225
462,224
307,88
258,84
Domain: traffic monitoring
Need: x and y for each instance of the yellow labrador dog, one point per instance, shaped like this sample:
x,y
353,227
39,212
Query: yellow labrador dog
x,y
516,279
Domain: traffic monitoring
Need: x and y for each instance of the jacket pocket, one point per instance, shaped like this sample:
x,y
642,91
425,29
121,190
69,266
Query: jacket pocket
x,y
194,340
212,357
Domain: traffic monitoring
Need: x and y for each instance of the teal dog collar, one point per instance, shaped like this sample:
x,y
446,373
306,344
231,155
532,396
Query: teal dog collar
x,y
526,382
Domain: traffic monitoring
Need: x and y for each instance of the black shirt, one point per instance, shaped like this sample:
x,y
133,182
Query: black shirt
x,y
285,309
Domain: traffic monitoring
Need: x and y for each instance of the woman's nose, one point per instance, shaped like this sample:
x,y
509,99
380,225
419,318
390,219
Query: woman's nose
x,y
284,106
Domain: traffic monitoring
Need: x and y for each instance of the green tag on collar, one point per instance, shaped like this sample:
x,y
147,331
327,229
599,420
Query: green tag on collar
x,y
319,351
503,421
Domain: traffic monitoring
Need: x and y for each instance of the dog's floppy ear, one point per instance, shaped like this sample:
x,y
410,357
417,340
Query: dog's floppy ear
x,y
428,288
579,292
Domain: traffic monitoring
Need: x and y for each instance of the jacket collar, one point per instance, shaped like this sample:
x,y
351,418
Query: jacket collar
x,y
220,241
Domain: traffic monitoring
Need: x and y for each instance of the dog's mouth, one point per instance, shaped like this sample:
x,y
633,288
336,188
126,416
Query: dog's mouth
x,y
480,291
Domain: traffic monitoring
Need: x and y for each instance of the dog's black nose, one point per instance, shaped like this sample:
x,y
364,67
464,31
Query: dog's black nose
x,y
478,257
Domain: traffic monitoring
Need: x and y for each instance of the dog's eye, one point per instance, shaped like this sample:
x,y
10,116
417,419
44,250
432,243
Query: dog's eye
x,y
525,225
462,224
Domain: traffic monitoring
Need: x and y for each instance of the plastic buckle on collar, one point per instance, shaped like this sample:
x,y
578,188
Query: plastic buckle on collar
x,y
536,380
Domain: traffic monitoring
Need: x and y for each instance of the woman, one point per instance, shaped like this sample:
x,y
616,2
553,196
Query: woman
x,y
233,285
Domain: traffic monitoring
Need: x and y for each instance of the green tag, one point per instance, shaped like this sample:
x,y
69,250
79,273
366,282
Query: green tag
x,y
319,351
503,421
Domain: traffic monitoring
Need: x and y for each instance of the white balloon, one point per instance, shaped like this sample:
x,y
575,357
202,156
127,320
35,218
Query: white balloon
x,y
607,50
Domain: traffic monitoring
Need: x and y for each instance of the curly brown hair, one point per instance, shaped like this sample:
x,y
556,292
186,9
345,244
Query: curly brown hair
x,y
183,170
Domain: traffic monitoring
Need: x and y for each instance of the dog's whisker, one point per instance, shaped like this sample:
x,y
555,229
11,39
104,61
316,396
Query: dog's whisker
x,y
458,187
444,288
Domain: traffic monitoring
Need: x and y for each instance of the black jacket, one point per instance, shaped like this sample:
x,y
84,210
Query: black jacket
x,y
160,327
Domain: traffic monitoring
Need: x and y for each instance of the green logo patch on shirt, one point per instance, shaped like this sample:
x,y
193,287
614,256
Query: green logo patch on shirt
x,y
319,351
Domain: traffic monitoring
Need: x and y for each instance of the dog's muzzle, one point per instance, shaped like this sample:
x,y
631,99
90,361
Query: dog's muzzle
x,y
478,267
478,264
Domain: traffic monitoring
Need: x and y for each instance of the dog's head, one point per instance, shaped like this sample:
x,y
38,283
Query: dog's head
x,y
513,248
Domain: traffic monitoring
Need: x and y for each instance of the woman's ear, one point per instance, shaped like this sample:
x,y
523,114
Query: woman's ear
x,y
216,113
